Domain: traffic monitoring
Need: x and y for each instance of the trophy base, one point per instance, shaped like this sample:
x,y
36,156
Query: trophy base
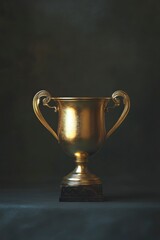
x,y
82,193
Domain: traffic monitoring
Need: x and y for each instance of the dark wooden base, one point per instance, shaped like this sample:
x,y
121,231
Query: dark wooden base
x,y
83,193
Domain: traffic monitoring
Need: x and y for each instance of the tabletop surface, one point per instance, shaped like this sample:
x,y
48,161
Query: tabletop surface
x,y
38,214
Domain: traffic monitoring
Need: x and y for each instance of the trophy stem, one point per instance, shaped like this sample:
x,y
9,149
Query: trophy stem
x,y
81,185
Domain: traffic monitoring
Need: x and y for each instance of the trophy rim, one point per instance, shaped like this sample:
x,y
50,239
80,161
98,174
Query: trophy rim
x,y
81,98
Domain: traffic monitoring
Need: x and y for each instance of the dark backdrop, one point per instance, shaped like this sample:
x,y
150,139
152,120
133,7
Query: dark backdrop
x,y
80,48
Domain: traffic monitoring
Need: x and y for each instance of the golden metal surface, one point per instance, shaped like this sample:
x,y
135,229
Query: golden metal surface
x,y
46,100
81,128
126,102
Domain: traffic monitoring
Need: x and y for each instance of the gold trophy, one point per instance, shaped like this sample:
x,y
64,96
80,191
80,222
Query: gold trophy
x,y
81,132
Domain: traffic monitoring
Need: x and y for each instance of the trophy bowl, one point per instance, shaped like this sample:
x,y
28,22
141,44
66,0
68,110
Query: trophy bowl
x,y
81,132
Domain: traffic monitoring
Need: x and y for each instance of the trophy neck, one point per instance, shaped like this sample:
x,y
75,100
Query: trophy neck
x,y
80,175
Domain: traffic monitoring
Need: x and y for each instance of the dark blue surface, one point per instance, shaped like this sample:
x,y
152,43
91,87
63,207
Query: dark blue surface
x,y
37,215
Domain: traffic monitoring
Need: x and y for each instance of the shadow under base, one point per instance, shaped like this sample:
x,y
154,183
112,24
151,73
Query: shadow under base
x,y
82,193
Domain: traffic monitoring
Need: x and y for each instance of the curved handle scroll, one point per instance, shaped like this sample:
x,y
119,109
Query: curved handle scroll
x,y
46,100
126,102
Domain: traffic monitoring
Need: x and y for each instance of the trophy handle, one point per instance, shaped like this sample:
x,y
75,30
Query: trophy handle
x,y
126,102
46,100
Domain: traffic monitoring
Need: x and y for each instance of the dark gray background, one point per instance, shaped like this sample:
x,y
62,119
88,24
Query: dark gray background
x,y
80,48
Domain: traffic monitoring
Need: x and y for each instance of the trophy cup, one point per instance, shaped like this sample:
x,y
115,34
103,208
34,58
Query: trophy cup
x,y
81,132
